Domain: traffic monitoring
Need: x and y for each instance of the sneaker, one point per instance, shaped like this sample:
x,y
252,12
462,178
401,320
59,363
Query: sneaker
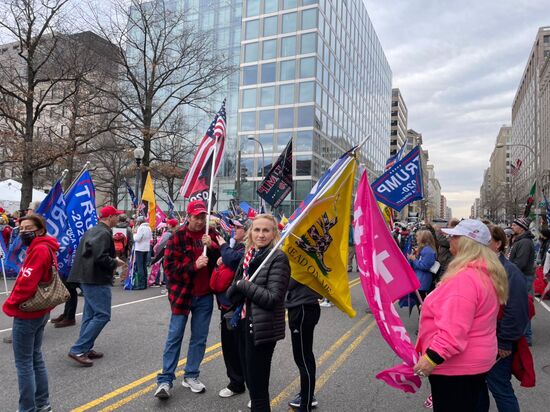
x,y
47,408
194,384
297,401
226,393
325,303
163,391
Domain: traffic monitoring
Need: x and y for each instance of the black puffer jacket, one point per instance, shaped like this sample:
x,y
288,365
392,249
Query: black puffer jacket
x,y
265,295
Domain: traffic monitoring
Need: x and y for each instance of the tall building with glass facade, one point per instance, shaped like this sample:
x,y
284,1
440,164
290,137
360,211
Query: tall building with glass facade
x,y
312,71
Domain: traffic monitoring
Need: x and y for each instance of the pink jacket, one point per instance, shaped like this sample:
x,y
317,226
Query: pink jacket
x,y
459,320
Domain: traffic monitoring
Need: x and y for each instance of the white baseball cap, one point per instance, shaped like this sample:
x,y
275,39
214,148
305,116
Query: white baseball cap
x,y
474,229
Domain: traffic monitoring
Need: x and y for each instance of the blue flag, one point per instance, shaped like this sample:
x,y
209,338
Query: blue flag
x,y
53,209
170,208
132,194
402,184
15,256
80,207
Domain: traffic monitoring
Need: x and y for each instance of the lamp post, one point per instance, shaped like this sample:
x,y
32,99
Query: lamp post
x,y
263,162
138,155
537,183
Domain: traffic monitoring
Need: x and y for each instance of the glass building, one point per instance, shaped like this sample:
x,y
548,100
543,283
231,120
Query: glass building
x,y
312,71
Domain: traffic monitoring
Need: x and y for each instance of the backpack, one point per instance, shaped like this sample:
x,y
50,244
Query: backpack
x,y
121,241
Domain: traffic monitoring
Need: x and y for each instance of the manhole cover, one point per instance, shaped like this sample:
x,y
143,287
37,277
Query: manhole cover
x,y
546,369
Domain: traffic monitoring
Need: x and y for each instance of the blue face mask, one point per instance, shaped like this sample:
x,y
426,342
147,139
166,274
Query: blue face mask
x,y
27,237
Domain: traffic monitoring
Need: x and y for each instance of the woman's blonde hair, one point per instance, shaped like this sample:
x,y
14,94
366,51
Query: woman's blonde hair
x,y
425,238
470,251
276,233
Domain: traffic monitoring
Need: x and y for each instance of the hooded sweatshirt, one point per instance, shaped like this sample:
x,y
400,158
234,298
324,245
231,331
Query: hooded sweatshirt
x,y
36,268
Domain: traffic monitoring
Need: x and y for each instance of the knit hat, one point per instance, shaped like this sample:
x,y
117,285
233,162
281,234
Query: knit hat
x,y
523,222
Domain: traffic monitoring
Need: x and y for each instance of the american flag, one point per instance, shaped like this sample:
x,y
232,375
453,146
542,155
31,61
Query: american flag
x,y
215,134
514,169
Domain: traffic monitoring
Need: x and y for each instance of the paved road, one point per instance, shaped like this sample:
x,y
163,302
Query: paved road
x,y
349,353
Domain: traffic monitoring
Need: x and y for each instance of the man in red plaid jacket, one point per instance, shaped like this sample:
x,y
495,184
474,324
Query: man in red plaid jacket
x,y
188,274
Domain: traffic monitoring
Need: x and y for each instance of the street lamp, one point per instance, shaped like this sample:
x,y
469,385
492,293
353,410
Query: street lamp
x,y
138,155
263,162
537,183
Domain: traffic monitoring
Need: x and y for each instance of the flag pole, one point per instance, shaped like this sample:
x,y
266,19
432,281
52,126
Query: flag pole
x,y
2,257
291,226
78,176
211,188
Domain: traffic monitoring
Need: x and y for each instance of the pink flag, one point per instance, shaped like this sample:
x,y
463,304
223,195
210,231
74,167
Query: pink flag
x,y
385,276
161,216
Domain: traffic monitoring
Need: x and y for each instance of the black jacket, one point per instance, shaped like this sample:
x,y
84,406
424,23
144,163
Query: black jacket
x,y
299,294
265,295
94,262
511,325
522,253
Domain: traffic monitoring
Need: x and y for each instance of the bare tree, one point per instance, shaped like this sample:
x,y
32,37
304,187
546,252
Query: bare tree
x,y
166,64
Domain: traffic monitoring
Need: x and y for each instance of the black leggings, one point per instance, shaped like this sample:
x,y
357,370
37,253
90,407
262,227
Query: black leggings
x,y
456,393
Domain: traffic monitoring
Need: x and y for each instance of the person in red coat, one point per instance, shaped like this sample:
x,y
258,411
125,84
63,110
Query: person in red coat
x,y
28,327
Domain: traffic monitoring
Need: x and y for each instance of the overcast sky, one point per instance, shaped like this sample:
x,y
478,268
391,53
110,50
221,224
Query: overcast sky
x,y
458,65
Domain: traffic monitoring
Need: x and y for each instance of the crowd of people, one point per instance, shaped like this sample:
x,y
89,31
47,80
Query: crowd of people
x,y
475,303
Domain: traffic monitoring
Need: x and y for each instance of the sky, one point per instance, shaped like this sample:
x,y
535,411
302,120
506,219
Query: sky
x,y
458,65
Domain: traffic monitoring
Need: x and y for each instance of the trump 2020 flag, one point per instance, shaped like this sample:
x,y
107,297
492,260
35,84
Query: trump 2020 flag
x,y
53,209
278,183
318,241
402,184
385,277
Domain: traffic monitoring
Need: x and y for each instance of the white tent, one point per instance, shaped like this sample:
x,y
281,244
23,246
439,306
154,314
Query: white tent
x,y
10,195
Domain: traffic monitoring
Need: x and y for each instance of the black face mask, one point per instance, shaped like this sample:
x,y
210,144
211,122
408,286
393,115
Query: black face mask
x,y
27,237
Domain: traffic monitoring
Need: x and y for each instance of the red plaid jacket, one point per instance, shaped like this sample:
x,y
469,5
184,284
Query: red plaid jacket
x,y
180,270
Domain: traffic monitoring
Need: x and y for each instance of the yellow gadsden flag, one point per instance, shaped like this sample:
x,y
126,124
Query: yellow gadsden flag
x,y
387,213
318,246
149,196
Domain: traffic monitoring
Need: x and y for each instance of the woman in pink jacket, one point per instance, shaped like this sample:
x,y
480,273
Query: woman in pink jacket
x,y
457,338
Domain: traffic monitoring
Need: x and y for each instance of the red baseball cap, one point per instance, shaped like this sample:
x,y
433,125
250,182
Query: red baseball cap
x,y
196,207
172,222
109,211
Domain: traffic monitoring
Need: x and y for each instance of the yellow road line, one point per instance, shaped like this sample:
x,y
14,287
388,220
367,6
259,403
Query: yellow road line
x,y
151,387
289,390
132,385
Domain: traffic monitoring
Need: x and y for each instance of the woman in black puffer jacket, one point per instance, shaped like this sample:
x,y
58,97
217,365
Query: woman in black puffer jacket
x,y
262,321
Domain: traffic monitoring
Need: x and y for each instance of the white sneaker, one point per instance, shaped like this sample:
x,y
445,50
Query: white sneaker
x,y
194,384
226,393
163,391
249,404
325,303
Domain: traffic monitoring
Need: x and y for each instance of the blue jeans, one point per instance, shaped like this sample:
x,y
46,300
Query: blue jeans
x,y
97,313
141,269
32,375
201,313
499,382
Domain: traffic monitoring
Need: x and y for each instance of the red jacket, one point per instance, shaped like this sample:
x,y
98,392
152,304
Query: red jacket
x,y
37,267
523,367
221,279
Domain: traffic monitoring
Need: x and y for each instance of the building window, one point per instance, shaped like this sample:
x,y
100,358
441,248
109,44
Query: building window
x,y
303,141
288,69
248,121
251,52
250,75
286,118
288,46
309,19
249,98
286,94
306,92
252,8
546,39
267,142
270,49
267,119
307,67
268,72
267,96
270,6
289,22
252,29
288,4
303,165
308,43
282,139
305,116
270,26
